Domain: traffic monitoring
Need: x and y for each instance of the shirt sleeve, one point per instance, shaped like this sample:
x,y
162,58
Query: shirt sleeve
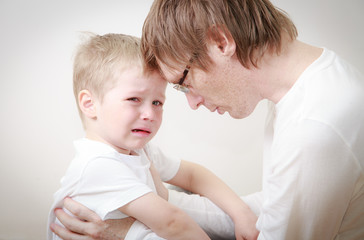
x,y
107,184
309,184
166,166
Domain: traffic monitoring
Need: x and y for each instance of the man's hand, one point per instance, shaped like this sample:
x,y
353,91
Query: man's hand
x,y
87,225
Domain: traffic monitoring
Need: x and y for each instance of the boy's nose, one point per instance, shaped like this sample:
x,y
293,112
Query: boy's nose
x,y
194,100
148,113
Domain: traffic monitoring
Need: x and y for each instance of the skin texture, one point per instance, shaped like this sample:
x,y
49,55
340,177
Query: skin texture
x,y
126,118
129,115
225,87
196,178
88,225
230,87
136,103
190,176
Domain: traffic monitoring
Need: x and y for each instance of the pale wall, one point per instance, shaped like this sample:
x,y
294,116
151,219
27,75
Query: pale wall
x,y
39,118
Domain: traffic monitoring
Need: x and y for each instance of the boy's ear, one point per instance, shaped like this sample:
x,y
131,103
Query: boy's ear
x,y
221,40
86,103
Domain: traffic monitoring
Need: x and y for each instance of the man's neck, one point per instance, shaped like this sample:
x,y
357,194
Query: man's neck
x,y
278,73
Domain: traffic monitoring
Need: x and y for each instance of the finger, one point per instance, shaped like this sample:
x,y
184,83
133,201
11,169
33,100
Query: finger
x,y
71,223
65,234
80,210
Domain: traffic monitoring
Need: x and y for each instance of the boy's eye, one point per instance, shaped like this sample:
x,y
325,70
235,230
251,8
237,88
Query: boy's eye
x,y
157,103
133,99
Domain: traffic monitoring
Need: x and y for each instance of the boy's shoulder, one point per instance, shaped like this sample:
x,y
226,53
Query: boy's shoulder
x,y
89,148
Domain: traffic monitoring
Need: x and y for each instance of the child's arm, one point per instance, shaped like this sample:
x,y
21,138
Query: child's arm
x,y
163,218
197,179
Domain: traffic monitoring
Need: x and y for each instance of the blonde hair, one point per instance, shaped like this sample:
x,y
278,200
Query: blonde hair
x,y
99,59
176,31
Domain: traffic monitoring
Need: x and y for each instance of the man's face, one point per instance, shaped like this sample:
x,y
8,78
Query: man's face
x,y
225,87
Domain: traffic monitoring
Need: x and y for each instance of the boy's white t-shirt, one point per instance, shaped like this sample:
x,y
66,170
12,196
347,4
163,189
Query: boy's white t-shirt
x,y
104,180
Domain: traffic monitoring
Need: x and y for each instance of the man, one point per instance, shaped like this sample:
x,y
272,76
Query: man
x,y
230,55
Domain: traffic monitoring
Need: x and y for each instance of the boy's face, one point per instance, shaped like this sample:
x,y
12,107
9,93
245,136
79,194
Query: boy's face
x,y
131,113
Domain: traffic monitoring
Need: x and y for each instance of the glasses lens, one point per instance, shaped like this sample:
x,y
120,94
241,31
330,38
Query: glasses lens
x,y
181,88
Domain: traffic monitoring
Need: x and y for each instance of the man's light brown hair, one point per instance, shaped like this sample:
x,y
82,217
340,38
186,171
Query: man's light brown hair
x,y
176,31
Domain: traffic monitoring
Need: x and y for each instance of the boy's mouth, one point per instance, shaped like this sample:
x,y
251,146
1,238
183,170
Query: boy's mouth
x,y
141,130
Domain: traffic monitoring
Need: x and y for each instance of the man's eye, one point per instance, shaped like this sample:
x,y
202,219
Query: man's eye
x,y
157,103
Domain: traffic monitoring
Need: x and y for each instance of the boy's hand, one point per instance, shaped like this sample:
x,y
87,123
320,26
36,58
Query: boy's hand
x,y
245,226
87,225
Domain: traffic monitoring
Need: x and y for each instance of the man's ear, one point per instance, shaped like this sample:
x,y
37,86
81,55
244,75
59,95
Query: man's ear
x,y
87,104
221,40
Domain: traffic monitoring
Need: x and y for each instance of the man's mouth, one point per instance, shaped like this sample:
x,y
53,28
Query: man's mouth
x,y
220,111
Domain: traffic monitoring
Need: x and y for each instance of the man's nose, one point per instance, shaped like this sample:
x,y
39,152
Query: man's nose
x,y
194,100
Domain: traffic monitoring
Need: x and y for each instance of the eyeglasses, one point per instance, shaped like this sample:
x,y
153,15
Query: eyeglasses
x,y
179,86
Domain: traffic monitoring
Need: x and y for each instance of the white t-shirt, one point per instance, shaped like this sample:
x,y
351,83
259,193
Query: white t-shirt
x,y
104,180
313,177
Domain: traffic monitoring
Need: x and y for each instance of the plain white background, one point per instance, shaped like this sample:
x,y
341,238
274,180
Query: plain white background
x,y
38,114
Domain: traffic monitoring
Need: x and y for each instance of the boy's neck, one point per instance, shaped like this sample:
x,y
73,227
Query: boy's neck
x,y
95,137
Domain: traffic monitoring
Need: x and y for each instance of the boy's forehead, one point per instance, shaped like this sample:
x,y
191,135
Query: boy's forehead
x,y
142,84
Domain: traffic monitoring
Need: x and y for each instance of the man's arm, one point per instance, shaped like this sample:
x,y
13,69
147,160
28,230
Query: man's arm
x,y
200,180
87,225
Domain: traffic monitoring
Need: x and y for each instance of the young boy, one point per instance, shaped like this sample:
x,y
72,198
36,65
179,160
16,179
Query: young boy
x,y
115,172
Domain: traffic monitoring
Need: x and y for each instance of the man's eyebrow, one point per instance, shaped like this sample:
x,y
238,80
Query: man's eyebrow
x,y
164,77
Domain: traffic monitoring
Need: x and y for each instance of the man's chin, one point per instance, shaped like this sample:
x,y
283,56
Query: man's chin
x,y
236,115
